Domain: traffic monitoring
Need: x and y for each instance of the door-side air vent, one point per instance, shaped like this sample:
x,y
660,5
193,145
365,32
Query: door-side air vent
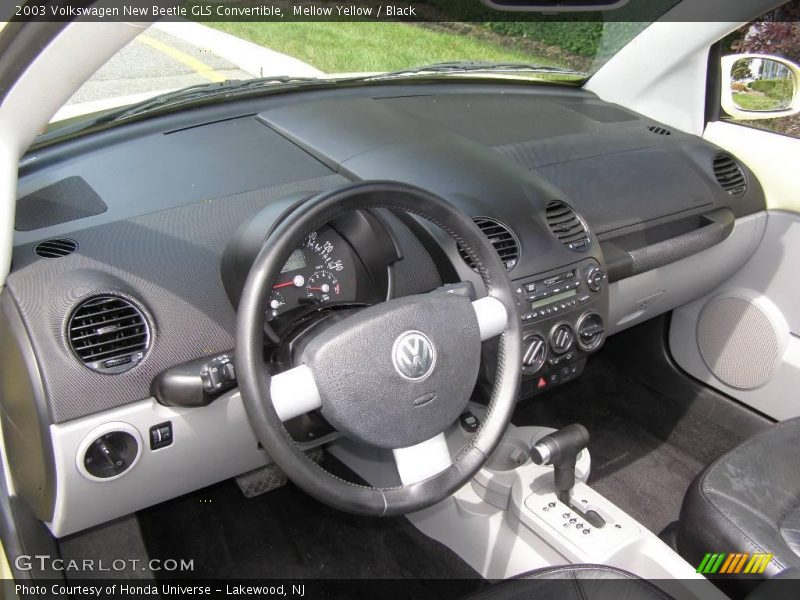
x,y
568,226
108,334
659,130
729,174
501,237
55,248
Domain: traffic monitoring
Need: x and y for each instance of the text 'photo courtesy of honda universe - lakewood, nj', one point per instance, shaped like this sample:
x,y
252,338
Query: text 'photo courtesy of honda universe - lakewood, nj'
x,y
372,299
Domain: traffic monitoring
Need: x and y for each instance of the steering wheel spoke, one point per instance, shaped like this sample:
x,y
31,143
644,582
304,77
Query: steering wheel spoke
x,y
294,392
418,462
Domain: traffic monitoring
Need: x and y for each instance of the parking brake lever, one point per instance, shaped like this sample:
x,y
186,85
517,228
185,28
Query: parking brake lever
x,y
561,449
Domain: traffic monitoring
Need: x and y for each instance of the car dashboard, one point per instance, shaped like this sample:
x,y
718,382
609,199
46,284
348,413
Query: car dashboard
x,y
132,247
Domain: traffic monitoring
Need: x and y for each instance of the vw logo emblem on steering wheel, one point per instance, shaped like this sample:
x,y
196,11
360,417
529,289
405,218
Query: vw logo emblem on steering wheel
x,y
413,355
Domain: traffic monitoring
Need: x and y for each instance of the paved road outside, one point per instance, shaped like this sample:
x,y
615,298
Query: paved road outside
x,y
156,61
170,56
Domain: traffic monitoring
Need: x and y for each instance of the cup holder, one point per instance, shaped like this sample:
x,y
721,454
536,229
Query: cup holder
x,y
510,461
494,481
509,455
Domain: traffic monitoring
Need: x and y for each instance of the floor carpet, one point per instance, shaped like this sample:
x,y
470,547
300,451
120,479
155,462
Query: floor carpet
x,y
634,464
286,534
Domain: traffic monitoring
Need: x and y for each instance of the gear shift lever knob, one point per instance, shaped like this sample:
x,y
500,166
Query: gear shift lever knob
x,y
561,445
561,449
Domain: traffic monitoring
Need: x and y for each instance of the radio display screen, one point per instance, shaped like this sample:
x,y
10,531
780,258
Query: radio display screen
x,y
553,298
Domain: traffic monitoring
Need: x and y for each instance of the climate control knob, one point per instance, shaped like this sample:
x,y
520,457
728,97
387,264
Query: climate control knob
x,y
591,332
534,354
561,337
595,278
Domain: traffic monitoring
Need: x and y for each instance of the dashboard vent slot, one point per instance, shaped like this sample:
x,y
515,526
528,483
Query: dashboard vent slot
x,y
501,237
659,130
568,226
729,174
108,334
55,248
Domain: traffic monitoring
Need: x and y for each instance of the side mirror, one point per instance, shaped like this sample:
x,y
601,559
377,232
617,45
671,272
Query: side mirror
x,y
759,86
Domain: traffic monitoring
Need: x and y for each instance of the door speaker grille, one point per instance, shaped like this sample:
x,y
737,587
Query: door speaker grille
x,y
737,342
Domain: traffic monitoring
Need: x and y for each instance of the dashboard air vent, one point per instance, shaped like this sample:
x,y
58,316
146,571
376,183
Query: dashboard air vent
x,y
55,248
659,130
729,174
108,334
567,225
501,237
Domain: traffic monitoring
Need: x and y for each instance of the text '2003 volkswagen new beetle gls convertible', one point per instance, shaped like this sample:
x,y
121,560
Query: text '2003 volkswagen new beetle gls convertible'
x,y
354,307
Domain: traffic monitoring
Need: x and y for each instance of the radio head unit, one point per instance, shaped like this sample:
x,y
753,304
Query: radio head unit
x,y
563,316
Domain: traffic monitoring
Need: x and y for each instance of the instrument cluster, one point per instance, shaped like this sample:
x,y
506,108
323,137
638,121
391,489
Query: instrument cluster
x,y
320,271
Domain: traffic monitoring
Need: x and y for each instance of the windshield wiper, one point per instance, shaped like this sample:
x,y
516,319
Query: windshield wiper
x,y
188,95
478,66
203,91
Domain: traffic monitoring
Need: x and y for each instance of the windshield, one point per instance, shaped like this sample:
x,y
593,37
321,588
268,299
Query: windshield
x,y
174,55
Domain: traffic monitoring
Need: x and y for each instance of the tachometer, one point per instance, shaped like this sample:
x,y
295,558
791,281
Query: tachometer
x,y
323,286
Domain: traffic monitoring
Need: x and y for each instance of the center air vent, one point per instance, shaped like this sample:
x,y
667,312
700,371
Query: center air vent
x,y
55,248
108,334
501,238
567,226
729,174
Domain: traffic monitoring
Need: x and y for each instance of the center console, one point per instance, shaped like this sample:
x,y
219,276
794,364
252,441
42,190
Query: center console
x,y
563,315
516,516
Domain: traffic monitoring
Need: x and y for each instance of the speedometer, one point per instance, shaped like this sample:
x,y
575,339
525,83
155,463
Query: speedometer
x,y
324,251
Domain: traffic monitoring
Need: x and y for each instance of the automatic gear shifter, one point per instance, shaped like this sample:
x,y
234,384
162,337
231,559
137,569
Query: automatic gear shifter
x,y
561,449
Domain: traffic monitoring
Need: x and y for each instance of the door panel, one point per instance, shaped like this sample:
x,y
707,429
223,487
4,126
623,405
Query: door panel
x,y
773,157
744,337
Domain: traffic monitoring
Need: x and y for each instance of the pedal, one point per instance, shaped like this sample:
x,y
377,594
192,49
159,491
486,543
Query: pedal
x,y
270,477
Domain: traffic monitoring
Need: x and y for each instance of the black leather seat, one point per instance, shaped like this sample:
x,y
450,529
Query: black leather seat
x,y
748,500
581,582
599,582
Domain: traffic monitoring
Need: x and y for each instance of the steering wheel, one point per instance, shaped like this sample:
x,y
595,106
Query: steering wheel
x,y
395,375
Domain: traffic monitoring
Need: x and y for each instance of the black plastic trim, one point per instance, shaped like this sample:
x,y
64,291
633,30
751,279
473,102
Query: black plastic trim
x,y
372,244
444,265
714,83
623,260
249,239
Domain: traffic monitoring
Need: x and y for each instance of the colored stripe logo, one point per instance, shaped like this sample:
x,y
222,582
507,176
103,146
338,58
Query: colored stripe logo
x,y
734,563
